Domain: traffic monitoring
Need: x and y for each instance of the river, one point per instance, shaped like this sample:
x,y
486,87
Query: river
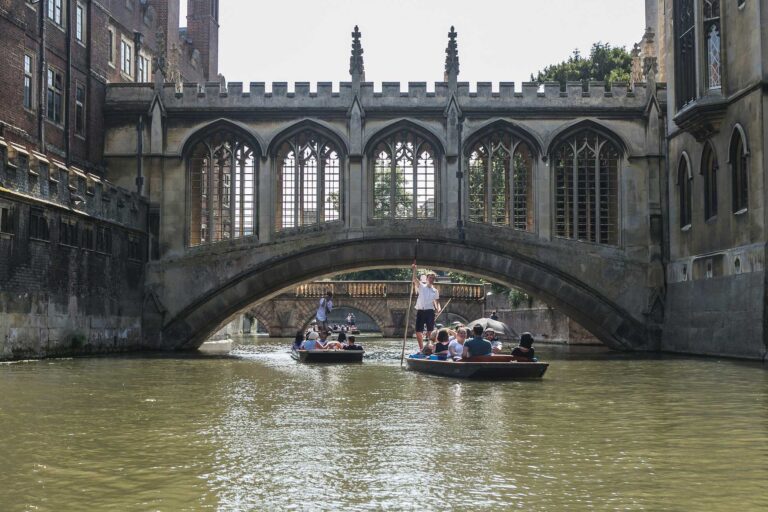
x,y
259,431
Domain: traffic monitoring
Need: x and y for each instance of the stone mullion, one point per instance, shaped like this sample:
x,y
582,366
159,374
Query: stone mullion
x,y
209,199
232,176
415,187
393,186
597,192
509,172
241,213
298,188
320,193
575,195
488,207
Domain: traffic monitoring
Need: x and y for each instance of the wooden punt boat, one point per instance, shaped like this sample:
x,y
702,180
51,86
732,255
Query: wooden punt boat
x,y
328,356
495,367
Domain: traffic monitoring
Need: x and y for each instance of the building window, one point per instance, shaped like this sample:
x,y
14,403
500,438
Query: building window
x,y
586,189
88,238
28,82
54,11
308,181
126,58
684,185
38,225
404,178
144,69
712,37
68,234
685,53
6,220
104,239
111,42
221,189
134,248
500,182
80,22
80,110
55,87
709,172
739,172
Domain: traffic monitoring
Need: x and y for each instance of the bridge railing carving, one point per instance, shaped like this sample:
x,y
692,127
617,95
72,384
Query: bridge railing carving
x,y
376,289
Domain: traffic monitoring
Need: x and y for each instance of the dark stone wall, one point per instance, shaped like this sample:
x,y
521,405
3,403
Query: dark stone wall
x,y
722,316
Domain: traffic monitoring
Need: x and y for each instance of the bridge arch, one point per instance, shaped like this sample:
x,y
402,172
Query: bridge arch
x,y
609,322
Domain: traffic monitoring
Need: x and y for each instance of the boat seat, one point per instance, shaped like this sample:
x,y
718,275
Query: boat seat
x,y
496,358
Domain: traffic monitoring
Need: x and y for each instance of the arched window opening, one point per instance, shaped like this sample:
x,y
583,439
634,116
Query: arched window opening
x,y
739,171
221,189
404,178
709,171
685,52
586,189
308,181
500,182
684,182
712,36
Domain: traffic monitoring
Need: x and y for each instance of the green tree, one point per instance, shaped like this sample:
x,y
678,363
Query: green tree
x,y
604,64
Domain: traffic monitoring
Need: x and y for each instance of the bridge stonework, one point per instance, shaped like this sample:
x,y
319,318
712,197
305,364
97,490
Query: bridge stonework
x,y
610,289
385,302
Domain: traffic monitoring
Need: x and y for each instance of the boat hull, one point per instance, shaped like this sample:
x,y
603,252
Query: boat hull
x,y
512,370
328,356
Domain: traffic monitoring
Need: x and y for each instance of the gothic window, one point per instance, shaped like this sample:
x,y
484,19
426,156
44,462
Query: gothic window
x,y
308,181
586,189
709,172
685,52
684,182
739,171
712,38
221,189
500,182
404,178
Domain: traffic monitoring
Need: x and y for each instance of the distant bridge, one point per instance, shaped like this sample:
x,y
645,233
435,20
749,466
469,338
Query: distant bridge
x,y
386,302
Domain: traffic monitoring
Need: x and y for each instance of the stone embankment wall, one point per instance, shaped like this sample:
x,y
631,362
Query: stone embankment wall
x,y
72,254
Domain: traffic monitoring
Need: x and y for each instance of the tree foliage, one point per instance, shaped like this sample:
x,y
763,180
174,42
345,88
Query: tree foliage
x,y
604,64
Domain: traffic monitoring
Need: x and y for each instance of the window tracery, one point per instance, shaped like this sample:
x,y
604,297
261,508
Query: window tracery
x,y
308,181
221,189
500,182
404,176
712,35
586,189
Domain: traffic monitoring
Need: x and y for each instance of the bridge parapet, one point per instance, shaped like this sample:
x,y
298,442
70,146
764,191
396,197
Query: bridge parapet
x,y
464,291
530,94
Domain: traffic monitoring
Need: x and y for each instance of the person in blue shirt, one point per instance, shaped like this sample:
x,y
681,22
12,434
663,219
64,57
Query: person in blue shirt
x,y
477,346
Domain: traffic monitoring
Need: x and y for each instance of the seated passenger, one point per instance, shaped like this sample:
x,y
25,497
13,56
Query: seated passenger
x,y
477,346
456,345
524,352
328,345
490,335
441,346
311,342
351,345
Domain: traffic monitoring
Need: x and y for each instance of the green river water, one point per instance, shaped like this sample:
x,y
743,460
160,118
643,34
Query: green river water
x,y
259,431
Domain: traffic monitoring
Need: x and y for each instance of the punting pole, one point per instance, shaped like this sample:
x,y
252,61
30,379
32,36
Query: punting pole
x,y
410,299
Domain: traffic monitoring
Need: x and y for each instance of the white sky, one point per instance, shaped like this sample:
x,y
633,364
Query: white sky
x,y
405,40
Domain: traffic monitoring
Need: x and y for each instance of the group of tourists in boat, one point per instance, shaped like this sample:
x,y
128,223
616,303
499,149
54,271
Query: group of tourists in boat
x,y
314,340
456,344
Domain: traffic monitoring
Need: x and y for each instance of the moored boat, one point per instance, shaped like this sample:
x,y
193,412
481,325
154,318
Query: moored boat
x,y
497,367
328,356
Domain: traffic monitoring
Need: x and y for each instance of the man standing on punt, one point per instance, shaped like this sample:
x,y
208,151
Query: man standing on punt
x,y
427,302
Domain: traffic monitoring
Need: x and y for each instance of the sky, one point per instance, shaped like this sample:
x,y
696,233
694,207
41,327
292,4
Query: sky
x,y
405,40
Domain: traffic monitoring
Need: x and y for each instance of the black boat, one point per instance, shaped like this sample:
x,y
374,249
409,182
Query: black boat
x,y
495,367
328,356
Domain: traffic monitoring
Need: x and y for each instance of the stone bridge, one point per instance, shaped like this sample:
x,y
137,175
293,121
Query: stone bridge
x,y
252,193
385,302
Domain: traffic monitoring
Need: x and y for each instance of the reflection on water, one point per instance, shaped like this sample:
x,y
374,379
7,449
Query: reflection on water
x,y
259,431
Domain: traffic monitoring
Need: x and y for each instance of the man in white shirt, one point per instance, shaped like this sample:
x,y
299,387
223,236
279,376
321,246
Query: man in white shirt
x,y
325,307
427,302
